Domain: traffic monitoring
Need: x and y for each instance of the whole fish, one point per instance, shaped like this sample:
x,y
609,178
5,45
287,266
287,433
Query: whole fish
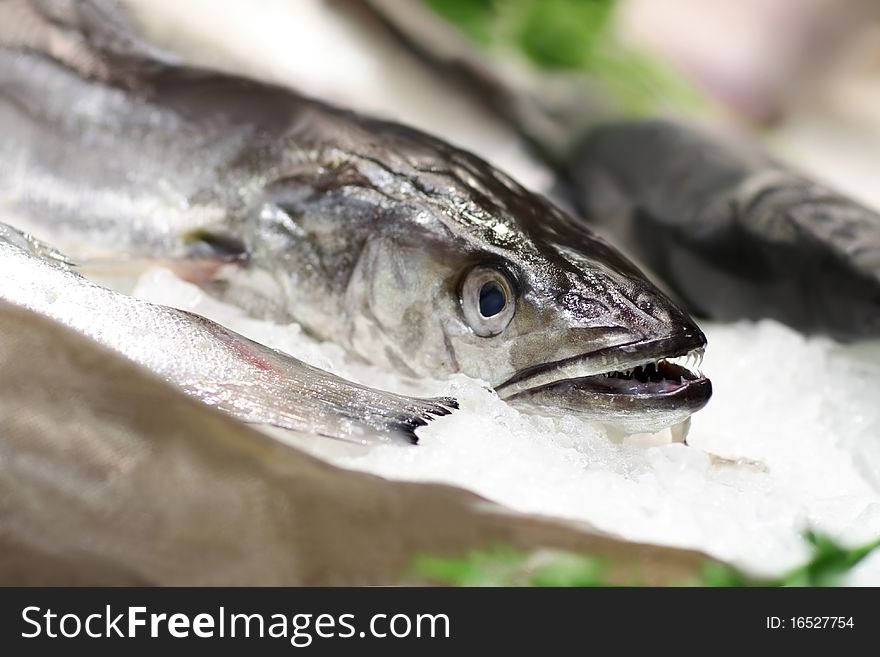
x,y
730,230
207,361
411,253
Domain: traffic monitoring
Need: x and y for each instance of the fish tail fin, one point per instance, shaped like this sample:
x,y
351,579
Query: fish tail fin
x,y
293,395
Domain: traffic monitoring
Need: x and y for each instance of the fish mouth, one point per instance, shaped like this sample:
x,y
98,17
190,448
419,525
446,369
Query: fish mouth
x,y
665,377
637,375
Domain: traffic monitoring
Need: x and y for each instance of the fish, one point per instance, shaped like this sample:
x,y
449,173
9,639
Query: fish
x,y
729,230
208,362
112,476
411,253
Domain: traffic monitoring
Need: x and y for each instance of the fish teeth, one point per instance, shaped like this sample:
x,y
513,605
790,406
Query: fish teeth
x,y
691,361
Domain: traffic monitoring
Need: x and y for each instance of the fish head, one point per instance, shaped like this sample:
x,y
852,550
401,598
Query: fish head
x,y
457,268
496,282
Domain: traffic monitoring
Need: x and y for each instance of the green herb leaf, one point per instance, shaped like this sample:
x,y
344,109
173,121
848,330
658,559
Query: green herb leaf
x,y
574,36
507,567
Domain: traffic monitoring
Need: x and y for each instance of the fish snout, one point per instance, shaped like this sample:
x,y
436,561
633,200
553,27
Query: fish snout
x,y
580,306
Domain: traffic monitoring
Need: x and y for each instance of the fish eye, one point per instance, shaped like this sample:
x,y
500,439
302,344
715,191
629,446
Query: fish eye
x,y
492,299
488,300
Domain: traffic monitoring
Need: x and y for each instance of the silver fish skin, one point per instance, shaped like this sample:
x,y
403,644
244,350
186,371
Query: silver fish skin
x,y
407,251
208,362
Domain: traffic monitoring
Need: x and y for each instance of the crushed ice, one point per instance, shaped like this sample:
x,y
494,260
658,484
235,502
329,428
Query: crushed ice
x,y
791,439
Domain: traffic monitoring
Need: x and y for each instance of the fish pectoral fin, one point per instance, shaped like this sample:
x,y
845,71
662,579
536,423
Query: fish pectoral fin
x,y
204,244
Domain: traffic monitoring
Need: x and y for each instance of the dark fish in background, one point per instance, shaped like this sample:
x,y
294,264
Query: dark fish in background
x,y
409,252
733,232
729,230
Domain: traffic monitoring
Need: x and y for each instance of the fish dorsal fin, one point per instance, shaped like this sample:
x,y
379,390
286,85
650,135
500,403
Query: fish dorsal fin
x,y
97,38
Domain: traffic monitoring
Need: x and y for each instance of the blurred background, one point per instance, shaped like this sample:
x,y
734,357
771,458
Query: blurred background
x,y
801,74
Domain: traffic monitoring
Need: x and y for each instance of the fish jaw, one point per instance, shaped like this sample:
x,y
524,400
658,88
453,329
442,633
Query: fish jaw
x,y
643,386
